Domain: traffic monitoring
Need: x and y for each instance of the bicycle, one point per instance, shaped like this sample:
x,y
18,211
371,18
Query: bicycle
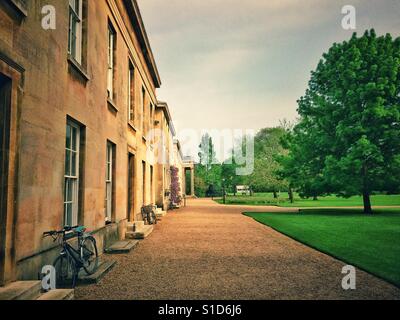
x,y
71,260
149,214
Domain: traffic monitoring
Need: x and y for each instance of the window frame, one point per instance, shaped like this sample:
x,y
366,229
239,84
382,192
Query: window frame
x,y
143,105
111,45
109,196
131,92
75,37
73,178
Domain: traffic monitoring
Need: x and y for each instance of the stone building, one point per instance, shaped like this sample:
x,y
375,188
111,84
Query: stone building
x,y
164,134
77,105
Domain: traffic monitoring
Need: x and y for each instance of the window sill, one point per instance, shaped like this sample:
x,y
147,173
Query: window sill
x,y
78,68
111,105
132,126
20,7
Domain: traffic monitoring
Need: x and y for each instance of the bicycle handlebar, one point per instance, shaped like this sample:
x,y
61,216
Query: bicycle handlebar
x,y
63,231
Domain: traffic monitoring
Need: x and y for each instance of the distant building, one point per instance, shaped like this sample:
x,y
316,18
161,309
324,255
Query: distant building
x,y
243,190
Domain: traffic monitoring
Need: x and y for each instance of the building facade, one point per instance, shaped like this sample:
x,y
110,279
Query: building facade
x,y
77,105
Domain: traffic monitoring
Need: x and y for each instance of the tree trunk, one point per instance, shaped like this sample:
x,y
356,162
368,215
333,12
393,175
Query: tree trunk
x,y
366,191
315,198
291,198
275,195
367,202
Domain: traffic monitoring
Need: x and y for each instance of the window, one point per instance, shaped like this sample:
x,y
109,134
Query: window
x,y
131,92
75,30
109,180
144,182
143,108
21,7
151,183
71,178
111,61
131,187
151,120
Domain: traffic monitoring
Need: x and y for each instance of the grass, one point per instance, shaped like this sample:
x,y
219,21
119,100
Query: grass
x,y
370,242
328,201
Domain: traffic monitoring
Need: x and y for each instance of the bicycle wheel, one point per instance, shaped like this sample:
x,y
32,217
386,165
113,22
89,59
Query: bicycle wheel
x,y
90,256
66,272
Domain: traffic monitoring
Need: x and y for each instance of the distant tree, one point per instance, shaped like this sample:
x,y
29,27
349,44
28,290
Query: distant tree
x,y
348,138
267,147
207,155
200,187
229,174
208,170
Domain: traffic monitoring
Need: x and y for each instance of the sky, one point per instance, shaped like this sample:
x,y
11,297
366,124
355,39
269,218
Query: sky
x,y
234,64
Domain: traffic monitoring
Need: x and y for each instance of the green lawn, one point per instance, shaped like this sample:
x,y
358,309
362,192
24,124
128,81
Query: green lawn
x,y
370,242
328,201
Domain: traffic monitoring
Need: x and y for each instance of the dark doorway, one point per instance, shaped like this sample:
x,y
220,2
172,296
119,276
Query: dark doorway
x,y
188,182
5,110
131,187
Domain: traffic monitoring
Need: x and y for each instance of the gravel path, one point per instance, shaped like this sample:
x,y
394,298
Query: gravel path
x,y
211,251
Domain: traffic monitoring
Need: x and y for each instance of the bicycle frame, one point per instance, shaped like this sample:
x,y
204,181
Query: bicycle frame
x,y
71,252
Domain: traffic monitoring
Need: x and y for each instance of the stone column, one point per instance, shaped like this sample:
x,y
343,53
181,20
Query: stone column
x,y
192,181
183,182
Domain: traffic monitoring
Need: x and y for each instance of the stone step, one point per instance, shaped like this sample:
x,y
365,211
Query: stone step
x,y
140,233
124,246
102,270
58,294
161,214
21,290
132,226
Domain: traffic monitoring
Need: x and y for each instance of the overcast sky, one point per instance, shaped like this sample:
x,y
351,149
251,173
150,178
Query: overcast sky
x,y
243,64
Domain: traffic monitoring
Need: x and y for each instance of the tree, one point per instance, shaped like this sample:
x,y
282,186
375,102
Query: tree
x,y
347,140
267,147
207,154
229,174
208,170
302,166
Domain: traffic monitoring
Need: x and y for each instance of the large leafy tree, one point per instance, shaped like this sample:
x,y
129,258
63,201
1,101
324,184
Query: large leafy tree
x,y
303,165
348,138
